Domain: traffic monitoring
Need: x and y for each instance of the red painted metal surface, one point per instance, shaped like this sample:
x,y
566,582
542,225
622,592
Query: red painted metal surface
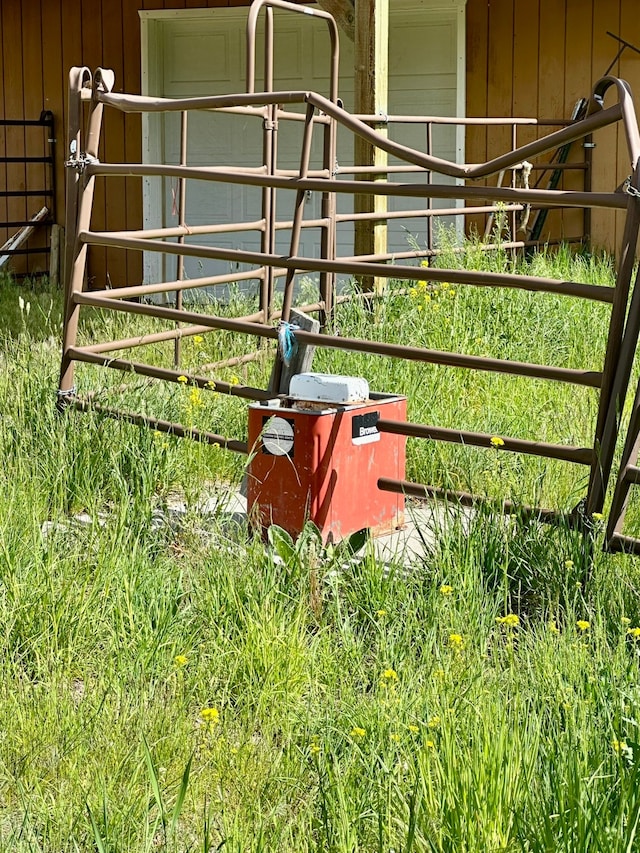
x,y
328,468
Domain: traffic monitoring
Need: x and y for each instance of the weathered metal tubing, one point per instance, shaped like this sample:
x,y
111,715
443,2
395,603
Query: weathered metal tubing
x,y
565,198
154,372
294,243
135,291
282,4
587,378
566,453
618,359
195,230
487,279
425,492
160,425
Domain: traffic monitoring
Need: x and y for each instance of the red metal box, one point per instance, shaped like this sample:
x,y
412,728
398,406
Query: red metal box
x,y
323,465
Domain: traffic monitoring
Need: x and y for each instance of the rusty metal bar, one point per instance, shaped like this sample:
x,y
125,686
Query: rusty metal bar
x,y
141,369
158,425
487,279
252,19
182,223
425,492
294,243
568,198
566,453
587,378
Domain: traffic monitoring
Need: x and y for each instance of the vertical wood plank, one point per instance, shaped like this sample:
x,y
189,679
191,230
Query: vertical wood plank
x,y
113,134
500,75
54,83
606,17
578,39
35,138
3,169
550,86
132,129
14,109
371,97
477,43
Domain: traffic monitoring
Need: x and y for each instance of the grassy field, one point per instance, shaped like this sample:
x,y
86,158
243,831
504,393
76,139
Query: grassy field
x,y
164,690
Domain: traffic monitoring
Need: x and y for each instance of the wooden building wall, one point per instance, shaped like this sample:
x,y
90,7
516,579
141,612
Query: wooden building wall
x,y
537,58
523,58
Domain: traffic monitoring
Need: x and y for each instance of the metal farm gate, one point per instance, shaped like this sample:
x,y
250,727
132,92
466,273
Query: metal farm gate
x,y
425,178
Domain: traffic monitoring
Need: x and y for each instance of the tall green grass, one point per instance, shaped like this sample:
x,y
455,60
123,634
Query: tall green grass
x,y
165,690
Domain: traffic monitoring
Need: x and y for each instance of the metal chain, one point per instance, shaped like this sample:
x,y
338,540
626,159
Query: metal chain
x,y
630,189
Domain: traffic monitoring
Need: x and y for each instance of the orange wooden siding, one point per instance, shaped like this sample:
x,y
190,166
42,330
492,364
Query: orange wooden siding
x,y
550,58
523,59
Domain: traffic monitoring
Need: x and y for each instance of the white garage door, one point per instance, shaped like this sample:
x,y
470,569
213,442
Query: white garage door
x,y
200,52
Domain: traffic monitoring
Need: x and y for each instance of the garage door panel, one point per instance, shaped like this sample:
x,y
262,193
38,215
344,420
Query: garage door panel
x,y
206,55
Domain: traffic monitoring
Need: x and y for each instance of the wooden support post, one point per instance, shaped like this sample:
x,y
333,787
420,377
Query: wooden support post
x,y
57,239
371,98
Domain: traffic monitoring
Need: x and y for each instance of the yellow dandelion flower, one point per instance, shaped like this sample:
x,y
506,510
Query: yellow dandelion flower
x,y
314,749
434,722
198,339
429,744
195,397
216,445
413,728
445,589
394,737
183,380
380,613
389,675
597,516
413,291
583,625
633,632
456,641
181,660
496,441
618,745
210,715
235,380
569,564
422,285
511,620
210,385
357,731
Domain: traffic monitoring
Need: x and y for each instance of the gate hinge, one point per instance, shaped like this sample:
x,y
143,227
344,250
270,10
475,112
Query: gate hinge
x,y
80,162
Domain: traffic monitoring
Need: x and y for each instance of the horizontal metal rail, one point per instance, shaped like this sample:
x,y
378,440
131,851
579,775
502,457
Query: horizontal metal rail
x,y
566,453
566,198
587,378
594,292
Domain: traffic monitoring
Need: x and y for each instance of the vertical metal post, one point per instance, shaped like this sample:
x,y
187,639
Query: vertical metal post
x,y
299,210
79,205
182,221
618,359
429,180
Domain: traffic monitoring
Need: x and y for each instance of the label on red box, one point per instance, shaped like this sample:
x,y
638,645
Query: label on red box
x,y
364,428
